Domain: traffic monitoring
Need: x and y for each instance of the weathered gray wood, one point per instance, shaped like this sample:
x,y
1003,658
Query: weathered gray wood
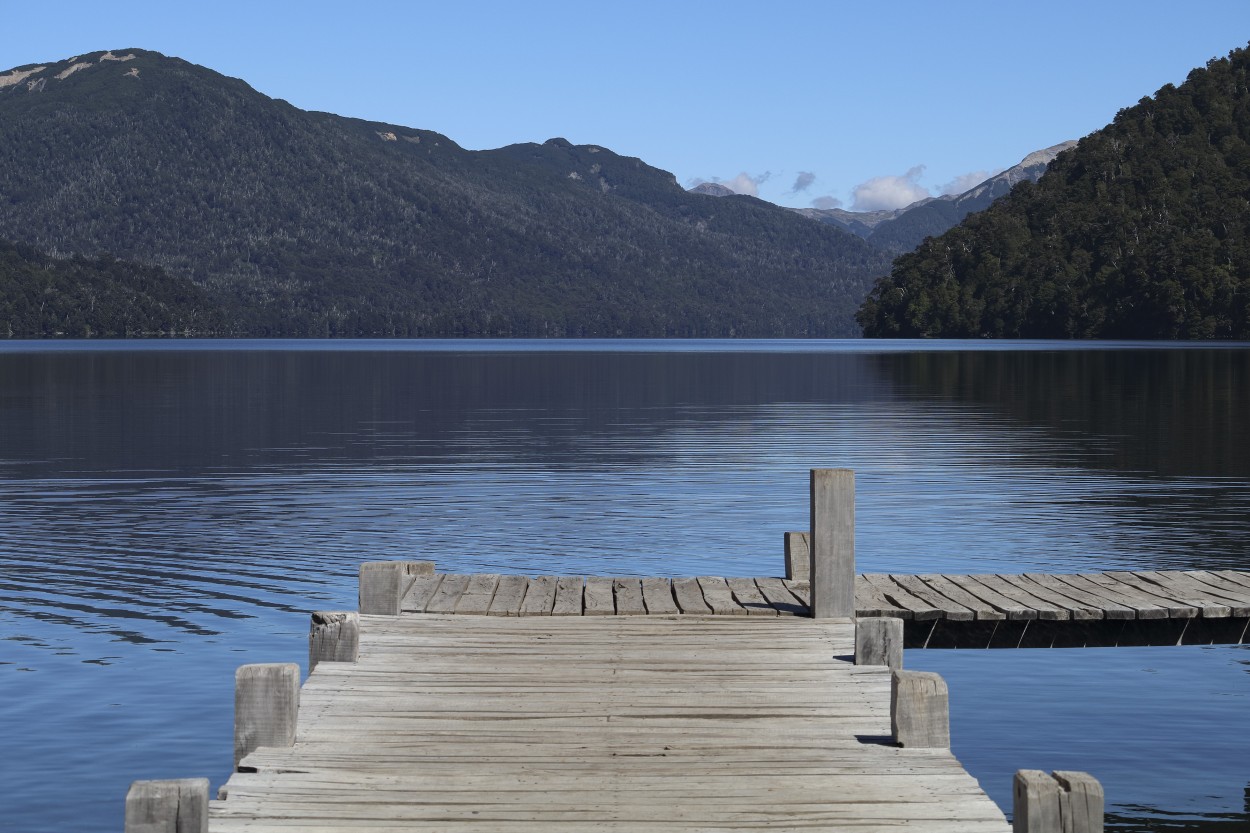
x,y
657,593
1239,593
540,596
776,593
333,636
1126,582
749,596
899,596
690,597
448,593
598,597
1098,607
832,571
1010,587
266,706
178,806
802,591
1035,803
920,589
1215,603
870,601
919,710
1081,808
879,641
419,595
568,600
984,611
1013,609
719,597
798,556
628,593
382,586
508,596
1142,607
478,594
1236,576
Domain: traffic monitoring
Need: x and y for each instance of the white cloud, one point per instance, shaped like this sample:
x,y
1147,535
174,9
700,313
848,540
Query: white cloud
x,y
825,203
883,193
744,183
803,181
968,181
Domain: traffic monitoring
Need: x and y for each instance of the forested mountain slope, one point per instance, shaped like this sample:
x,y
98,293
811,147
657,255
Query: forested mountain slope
x,y
309,224
1141,231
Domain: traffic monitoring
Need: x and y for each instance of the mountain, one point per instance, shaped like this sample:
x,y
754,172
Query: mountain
x,y
903,229
1141,231
300,223
713,189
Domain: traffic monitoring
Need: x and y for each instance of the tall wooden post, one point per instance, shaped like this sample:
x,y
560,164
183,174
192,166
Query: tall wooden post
x,y
920,710
798,556
179,806
1062,802
333,636
833,543
266,706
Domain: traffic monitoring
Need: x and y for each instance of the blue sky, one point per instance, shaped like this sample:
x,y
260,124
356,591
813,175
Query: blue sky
x,y
766,96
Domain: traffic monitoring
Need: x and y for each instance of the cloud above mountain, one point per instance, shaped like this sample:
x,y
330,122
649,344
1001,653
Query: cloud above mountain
x,y
743,183
884,193
968,181
803,181
826,202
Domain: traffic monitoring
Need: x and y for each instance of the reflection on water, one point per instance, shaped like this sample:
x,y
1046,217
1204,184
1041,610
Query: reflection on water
x,y
167,514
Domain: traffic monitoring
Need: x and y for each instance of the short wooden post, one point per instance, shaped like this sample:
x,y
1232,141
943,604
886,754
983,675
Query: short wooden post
x,y
179,806
384,583
920,710
879,641
1062,802
832,543
333,636
266,706
798,556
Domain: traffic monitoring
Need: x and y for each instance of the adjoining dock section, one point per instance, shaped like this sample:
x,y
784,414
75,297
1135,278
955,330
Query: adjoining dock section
x,y
698,723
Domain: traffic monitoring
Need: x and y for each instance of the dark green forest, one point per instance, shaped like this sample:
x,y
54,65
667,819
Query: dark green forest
x,y
295,223
1140,232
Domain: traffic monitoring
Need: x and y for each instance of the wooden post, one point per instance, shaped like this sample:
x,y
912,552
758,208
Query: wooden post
x,y
879,641
920,710
384,583
179,806
266,706
798,556
334,636
1062,802
832,543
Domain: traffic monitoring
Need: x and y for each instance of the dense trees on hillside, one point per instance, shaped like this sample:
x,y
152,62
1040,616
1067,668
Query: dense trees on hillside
x,y
1141,231
309,224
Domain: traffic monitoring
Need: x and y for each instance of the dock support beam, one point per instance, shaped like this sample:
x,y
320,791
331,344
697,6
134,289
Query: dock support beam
x,y
920,710
833,543
879,641
384,583
334,636
266,707
179,806
798,556
1062,802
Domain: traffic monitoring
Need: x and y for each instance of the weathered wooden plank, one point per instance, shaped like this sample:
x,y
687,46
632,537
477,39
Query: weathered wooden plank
x,y
1013,609
1214,603
719,597
690,597
568,596
478,595
749,596
798,556
598,597
1230,588
920,609
540,596
832,542
783,601
448,593
923,591
1142,607
657,594
1011,587
1026,589
628,594
508,596
419,595
869,601
983,610
1091,605
1121,580
1239,577
802,591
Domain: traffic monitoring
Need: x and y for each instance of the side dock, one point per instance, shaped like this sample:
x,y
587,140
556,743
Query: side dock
x,y
506,703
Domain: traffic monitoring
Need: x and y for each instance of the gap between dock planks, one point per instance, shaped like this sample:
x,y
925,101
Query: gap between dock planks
x,y
454,722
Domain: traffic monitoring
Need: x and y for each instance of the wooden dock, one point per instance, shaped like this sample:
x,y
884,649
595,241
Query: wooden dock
x,y
472,722
1030,610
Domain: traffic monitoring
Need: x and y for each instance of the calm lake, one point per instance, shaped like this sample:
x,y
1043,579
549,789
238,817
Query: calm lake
x,y
171,510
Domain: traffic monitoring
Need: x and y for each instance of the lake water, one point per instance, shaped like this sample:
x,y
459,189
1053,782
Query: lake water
x,y
171,510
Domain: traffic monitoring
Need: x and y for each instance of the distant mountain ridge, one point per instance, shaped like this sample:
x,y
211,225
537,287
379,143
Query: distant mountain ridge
x,y
311,224
903,229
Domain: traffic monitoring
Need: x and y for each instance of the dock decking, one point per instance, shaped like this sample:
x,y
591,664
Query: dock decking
x,y
682,723
986,610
